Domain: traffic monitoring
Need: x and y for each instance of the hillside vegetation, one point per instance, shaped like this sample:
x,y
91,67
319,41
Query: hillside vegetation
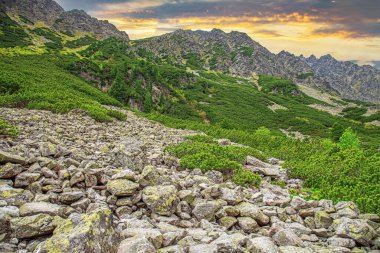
x,y
337,158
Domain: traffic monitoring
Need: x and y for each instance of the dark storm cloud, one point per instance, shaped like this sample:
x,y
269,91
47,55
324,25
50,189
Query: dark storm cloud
x,y
356,18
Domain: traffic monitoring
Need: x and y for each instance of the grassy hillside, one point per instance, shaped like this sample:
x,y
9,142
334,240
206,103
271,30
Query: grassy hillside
x,y
336,162
36,82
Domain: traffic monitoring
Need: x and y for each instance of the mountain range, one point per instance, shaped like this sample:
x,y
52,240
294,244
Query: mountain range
x,y
233,53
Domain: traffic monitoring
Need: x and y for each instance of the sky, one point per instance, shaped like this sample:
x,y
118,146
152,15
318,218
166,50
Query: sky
x,y
347,29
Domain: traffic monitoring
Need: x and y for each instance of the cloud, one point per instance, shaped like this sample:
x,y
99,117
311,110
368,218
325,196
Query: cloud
x,y
351,18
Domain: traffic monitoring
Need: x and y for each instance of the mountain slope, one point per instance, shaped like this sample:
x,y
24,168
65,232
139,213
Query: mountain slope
x,y
349,79
54,16
237,54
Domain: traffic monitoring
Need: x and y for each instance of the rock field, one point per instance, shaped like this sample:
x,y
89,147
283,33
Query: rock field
x,y
70,184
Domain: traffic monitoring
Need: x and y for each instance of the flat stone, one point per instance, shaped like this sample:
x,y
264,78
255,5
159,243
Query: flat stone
x,y
122,187
10,158
34,208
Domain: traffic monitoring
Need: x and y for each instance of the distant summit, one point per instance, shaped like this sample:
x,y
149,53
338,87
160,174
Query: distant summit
x,y
54,16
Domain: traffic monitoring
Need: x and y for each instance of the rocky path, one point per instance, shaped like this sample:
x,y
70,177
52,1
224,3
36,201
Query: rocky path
x,y
70,184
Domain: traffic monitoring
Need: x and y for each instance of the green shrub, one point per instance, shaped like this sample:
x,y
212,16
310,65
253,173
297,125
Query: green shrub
x,y
206,161
263,131
117,115
7,129
200,138
349,139
246,178
282,184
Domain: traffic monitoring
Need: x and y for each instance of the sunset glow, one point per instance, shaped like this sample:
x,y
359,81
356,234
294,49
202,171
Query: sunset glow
x,y
349,30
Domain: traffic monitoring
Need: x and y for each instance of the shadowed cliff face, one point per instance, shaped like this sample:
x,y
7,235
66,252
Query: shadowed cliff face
x,y
54,16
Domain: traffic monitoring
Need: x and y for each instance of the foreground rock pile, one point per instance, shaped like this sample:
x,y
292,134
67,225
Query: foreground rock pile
x,y
69,184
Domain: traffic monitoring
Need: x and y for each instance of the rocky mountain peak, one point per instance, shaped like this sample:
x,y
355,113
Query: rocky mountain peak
x,y
45,11
54,16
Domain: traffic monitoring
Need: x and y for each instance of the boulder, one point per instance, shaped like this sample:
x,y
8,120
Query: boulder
x,y
358,230
153,235
247,224
250,210
136,244
160,199
10,170
202,248
230,243
10,158
257,163
25,179
70,197
33,226
92,232
341,242
34,208
322,220
232,196
287,237
15,196
292,249
299,203
274,195
172,249
149,176
347,209
227,221
206,210
261,245
122,187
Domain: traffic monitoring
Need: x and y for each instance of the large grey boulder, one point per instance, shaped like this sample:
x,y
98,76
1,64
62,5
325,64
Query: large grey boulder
x,y
33,226
247,209
153,235
274,195
10,170
34,208
358,230
287,237
122,187
92,232
206,210
136,244
160,199
15,196
10,158
261,245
